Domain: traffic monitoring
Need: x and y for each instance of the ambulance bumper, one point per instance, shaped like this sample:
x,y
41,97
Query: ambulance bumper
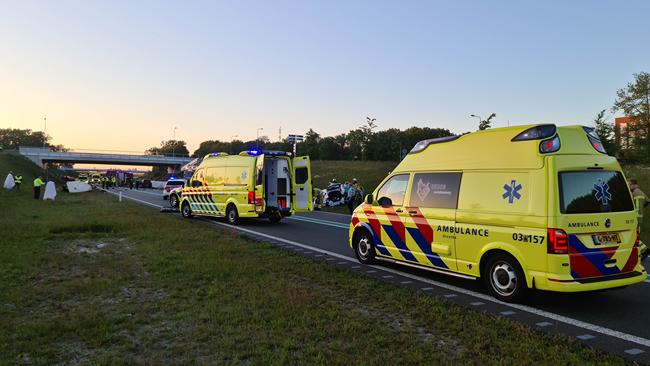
x,y
591,284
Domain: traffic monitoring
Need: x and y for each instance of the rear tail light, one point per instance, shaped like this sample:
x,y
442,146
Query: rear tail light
x,y
637,241
598,145
252,200
558,241
550,145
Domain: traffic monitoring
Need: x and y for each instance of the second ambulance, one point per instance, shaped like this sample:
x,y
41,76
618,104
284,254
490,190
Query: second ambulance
x,y
523,207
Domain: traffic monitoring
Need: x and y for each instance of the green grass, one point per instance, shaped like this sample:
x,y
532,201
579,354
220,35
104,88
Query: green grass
x,y
369,173
85,279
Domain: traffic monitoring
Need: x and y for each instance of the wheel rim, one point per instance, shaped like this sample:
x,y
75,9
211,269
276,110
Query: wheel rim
x,y
231,215
173,201
363,247
186,210
503,278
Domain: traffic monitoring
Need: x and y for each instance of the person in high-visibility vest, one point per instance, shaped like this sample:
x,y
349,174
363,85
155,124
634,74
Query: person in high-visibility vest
x,y
38,183
114,181
640,202
640,199
18,179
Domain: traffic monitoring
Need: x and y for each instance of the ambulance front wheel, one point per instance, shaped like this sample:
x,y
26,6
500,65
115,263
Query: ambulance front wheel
x,y
186,211
232,216
504,278
364,247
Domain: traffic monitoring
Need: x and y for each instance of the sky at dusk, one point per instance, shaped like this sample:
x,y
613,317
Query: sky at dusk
x,y
119,75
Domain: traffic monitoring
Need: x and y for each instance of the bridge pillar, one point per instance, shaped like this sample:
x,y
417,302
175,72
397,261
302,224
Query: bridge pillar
x,y
174,169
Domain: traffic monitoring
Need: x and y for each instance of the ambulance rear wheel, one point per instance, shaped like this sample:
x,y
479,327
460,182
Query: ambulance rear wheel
x,y
364,247
186,211
504,278
232,217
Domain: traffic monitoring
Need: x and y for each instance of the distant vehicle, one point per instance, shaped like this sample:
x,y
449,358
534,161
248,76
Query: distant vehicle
x,y
171,184
252,184
95,179
146,183
83,177
523,207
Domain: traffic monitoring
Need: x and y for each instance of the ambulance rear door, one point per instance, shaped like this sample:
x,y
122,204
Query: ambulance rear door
x,y
302,187
259,192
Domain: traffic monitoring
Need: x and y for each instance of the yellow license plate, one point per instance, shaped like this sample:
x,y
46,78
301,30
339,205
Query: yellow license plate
x,y
606,239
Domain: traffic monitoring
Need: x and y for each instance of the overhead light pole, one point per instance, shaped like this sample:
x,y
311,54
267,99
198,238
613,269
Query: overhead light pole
x,y
174,142
479,118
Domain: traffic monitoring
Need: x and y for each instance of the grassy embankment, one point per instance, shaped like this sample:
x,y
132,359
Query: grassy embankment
x,y
85,279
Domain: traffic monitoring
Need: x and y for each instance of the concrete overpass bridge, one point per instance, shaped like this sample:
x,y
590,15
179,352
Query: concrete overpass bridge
x,y
41,156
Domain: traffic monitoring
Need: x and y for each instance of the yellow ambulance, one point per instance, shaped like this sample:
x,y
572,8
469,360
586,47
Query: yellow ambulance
x,y
254,183
523,207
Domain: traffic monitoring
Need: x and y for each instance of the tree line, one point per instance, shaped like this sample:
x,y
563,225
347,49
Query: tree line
x,y
632,143
363,143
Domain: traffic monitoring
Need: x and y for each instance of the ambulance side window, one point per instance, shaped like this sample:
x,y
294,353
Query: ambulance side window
x,y
197,180
394,189
435,190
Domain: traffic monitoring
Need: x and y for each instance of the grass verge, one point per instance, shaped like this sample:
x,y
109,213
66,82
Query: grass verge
x,y
86,279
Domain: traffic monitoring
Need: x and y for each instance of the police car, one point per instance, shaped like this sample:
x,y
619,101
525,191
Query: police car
x,y
526,207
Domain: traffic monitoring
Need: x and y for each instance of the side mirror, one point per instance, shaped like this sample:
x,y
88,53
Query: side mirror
x,y
369,199
385,201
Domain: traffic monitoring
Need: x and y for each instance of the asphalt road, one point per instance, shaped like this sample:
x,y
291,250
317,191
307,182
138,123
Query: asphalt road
x,y
625,311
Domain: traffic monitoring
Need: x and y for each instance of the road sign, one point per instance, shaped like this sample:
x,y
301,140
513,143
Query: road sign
x,y
295,138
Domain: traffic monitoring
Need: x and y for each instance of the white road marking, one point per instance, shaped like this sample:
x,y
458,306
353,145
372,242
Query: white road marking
x,y
477,303
543,313
321,222
449,296
151,193
426,288
406,282
507,313
132,198
586,337
634,351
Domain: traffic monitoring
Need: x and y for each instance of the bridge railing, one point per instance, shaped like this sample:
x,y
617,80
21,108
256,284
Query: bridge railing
x,y
45,153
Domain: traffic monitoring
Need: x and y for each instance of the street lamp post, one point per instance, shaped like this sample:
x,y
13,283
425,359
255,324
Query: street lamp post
x,y
174,143
257,139
479,118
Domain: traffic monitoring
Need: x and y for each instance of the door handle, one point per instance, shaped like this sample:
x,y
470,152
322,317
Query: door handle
x,y
399,210
413,212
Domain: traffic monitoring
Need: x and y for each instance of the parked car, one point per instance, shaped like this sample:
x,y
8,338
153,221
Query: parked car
x,y
170,185
146,183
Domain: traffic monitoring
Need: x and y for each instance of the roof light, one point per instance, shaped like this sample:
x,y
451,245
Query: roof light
x,y
594,139
536,133
424,143
550,145
254,152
